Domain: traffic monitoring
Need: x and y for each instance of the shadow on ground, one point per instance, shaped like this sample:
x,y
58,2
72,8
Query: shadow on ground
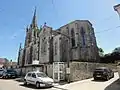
x,y
114,86
7,78
19,79
63,83
60,88
33,87
98,80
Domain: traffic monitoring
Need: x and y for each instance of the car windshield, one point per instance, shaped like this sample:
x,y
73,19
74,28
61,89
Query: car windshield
x,y
1,70
41,75
10,71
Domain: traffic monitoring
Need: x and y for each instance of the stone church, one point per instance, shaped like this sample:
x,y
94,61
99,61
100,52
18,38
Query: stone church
x,y
75,41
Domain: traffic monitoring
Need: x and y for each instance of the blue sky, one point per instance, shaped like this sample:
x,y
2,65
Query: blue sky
x,y
15,15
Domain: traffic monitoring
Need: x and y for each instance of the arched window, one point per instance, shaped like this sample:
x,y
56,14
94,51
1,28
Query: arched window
x,y
83,35
34,33
73,37
55,48
30,55
67,30
76,25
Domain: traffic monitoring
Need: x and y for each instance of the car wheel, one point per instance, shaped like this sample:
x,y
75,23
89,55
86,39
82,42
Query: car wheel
x,y
95,78
113,75
6,77
3,77
25,82
37,85
107,77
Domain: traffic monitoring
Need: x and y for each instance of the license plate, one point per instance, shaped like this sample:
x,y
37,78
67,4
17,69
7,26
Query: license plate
x,y
49,83
98,75
42,85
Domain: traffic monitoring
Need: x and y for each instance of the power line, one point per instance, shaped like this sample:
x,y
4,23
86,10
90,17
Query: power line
x,y
106,19
54,7
108,29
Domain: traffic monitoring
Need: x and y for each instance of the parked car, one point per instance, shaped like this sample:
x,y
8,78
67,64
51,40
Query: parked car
x,y
118,68
39,79
1,72
103,73
9,73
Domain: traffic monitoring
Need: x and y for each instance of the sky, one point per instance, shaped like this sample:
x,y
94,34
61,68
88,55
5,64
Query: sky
x,y
15,15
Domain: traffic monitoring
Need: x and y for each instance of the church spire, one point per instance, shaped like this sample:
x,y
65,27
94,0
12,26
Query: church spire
x,y
20,47
19,52
34,20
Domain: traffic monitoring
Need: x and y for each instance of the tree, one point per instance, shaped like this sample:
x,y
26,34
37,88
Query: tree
x,y
101,52
117,49
111,57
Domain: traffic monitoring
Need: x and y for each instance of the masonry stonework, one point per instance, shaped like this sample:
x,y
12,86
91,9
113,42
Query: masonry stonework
x,y
84,70
48,46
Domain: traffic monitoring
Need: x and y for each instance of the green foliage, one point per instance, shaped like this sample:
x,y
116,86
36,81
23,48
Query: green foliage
x,y
101,52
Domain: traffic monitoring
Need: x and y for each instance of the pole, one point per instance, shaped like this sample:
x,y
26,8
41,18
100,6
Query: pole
x,y
39,49
68,60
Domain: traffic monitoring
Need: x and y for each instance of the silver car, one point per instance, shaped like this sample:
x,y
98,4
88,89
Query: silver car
x,y
39,79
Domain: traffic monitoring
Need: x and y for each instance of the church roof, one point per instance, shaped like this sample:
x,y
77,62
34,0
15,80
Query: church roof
x,y
76,21
116,6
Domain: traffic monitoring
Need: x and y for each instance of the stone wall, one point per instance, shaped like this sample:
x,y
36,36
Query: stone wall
x,y
78,70
84,70
48,69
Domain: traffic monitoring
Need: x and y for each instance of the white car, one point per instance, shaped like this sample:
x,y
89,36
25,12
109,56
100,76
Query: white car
x,y
39,79
118,68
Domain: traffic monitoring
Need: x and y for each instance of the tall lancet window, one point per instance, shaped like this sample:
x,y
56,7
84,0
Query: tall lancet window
x,y
83,35
73,37
55,48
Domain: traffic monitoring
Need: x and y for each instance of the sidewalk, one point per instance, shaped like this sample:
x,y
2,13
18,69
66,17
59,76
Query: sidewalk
x,y
90,84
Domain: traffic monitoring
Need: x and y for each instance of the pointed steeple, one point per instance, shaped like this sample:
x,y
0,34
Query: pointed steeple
x,y
34,20
27,29
20,47
19,52
45,24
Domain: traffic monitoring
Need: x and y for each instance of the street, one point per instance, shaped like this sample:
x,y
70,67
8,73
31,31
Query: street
x,y
88,84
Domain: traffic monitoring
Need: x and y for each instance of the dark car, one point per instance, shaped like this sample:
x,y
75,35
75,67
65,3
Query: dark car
x,y
103,73
1,72
9,73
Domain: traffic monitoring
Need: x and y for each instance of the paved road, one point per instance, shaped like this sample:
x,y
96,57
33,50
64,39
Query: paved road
x,y
89,84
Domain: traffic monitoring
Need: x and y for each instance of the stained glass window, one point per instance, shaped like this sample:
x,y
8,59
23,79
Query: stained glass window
x,y
83,35
73,37
55,48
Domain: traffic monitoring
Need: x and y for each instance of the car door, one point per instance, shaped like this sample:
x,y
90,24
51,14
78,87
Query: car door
x,y
4,73
33,78
28,77
109,73
1,72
